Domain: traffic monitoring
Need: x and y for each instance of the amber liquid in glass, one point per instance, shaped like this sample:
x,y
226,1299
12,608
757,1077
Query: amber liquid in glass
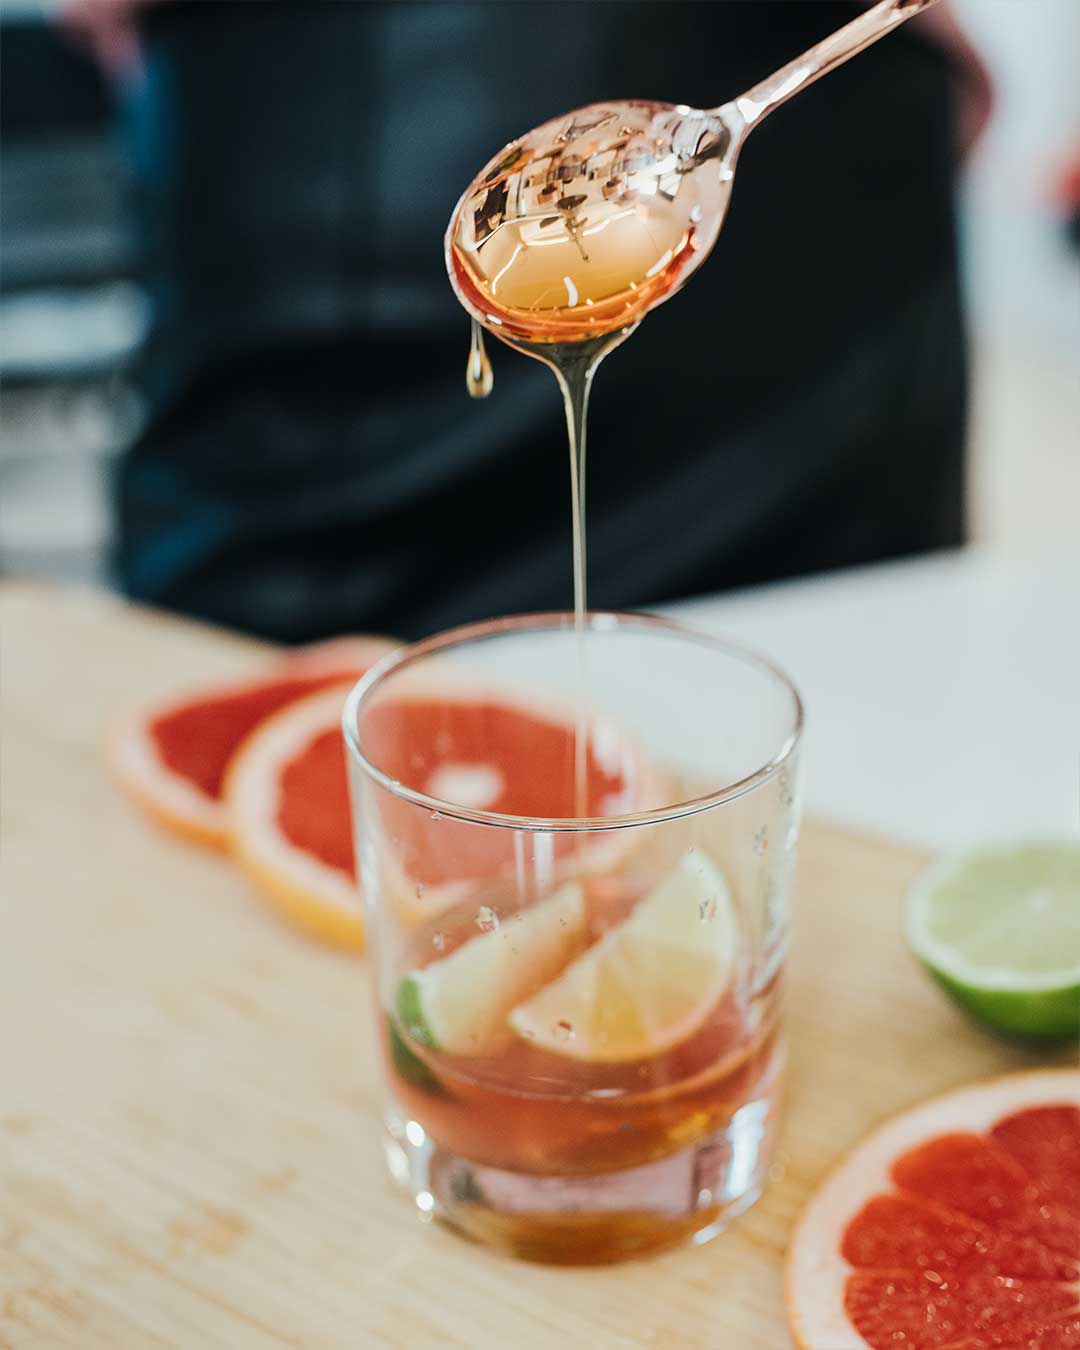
x,y
521,1109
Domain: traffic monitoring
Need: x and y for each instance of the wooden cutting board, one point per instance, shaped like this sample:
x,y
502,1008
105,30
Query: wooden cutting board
x,y
189,1101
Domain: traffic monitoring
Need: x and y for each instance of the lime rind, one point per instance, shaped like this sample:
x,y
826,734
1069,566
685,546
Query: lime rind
x,y
408,1065
1022,897
1050,1017
410,1011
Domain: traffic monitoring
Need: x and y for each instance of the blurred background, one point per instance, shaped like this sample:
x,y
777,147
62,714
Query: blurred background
x,y
74,307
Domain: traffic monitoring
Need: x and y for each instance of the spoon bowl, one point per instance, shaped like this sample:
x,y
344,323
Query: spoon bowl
x,y
587,222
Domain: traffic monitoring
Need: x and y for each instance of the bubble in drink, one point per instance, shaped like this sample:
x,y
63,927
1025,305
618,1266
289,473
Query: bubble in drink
x,y
563,1030
486,919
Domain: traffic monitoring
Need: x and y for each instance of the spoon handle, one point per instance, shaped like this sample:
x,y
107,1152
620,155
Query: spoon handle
x,y
826,55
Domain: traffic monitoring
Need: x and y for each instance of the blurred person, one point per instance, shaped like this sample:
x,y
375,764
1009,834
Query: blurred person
x,y
311,463
1068,195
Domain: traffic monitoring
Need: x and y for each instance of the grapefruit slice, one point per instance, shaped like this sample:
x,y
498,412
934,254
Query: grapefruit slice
x,y
462,743
171,756
290,822
650,981
955,1227
287,796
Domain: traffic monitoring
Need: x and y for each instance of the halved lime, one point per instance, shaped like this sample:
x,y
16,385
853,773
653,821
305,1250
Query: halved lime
x,y
650,981
999,929
460,1003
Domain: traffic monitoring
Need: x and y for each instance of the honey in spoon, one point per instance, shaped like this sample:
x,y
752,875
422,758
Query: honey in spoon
x,y
587,222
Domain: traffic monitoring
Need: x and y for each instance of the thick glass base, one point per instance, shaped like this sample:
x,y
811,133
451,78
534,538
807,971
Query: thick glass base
x,y
609,1216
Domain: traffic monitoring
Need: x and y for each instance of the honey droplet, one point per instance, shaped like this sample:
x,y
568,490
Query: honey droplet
x,y
478,373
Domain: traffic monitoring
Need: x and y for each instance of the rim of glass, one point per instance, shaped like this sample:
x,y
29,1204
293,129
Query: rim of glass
x,y
564,620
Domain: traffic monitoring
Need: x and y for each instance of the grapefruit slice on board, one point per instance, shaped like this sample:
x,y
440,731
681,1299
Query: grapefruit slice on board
x,y
956,1226
171,756
458,742
287,796
291,827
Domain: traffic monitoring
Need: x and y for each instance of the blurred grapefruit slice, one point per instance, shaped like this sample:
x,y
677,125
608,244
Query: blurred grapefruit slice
x,y
955,1227
171,756
459,742
287,796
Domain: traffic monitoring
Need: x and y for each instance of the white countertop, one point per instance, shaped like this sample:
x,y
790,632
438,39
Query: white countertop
x,y
942,694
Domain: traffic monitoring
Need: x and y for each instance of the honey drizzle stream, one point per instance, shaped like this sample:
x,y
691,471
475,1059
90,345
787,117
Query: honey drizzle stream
x,y
575,375
573,364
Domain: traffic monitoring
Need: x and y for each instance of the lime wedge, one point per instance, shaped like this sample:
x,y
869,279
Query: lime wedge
x,y
649,982
460,1003
999,929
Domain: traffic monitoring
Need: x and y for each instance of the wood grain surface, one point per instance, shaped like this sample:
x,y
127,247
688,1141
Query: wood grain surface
x,y
189,1098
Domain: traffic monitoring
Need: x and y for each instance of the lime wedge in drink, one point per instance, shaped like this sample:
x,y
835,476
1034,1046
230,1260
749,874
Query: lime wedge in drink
x,y
650,981
999,929
460,1002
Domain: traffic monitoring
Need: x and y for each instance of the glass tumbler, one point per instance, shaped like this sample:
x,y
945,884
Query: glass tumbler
x,y
577,858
